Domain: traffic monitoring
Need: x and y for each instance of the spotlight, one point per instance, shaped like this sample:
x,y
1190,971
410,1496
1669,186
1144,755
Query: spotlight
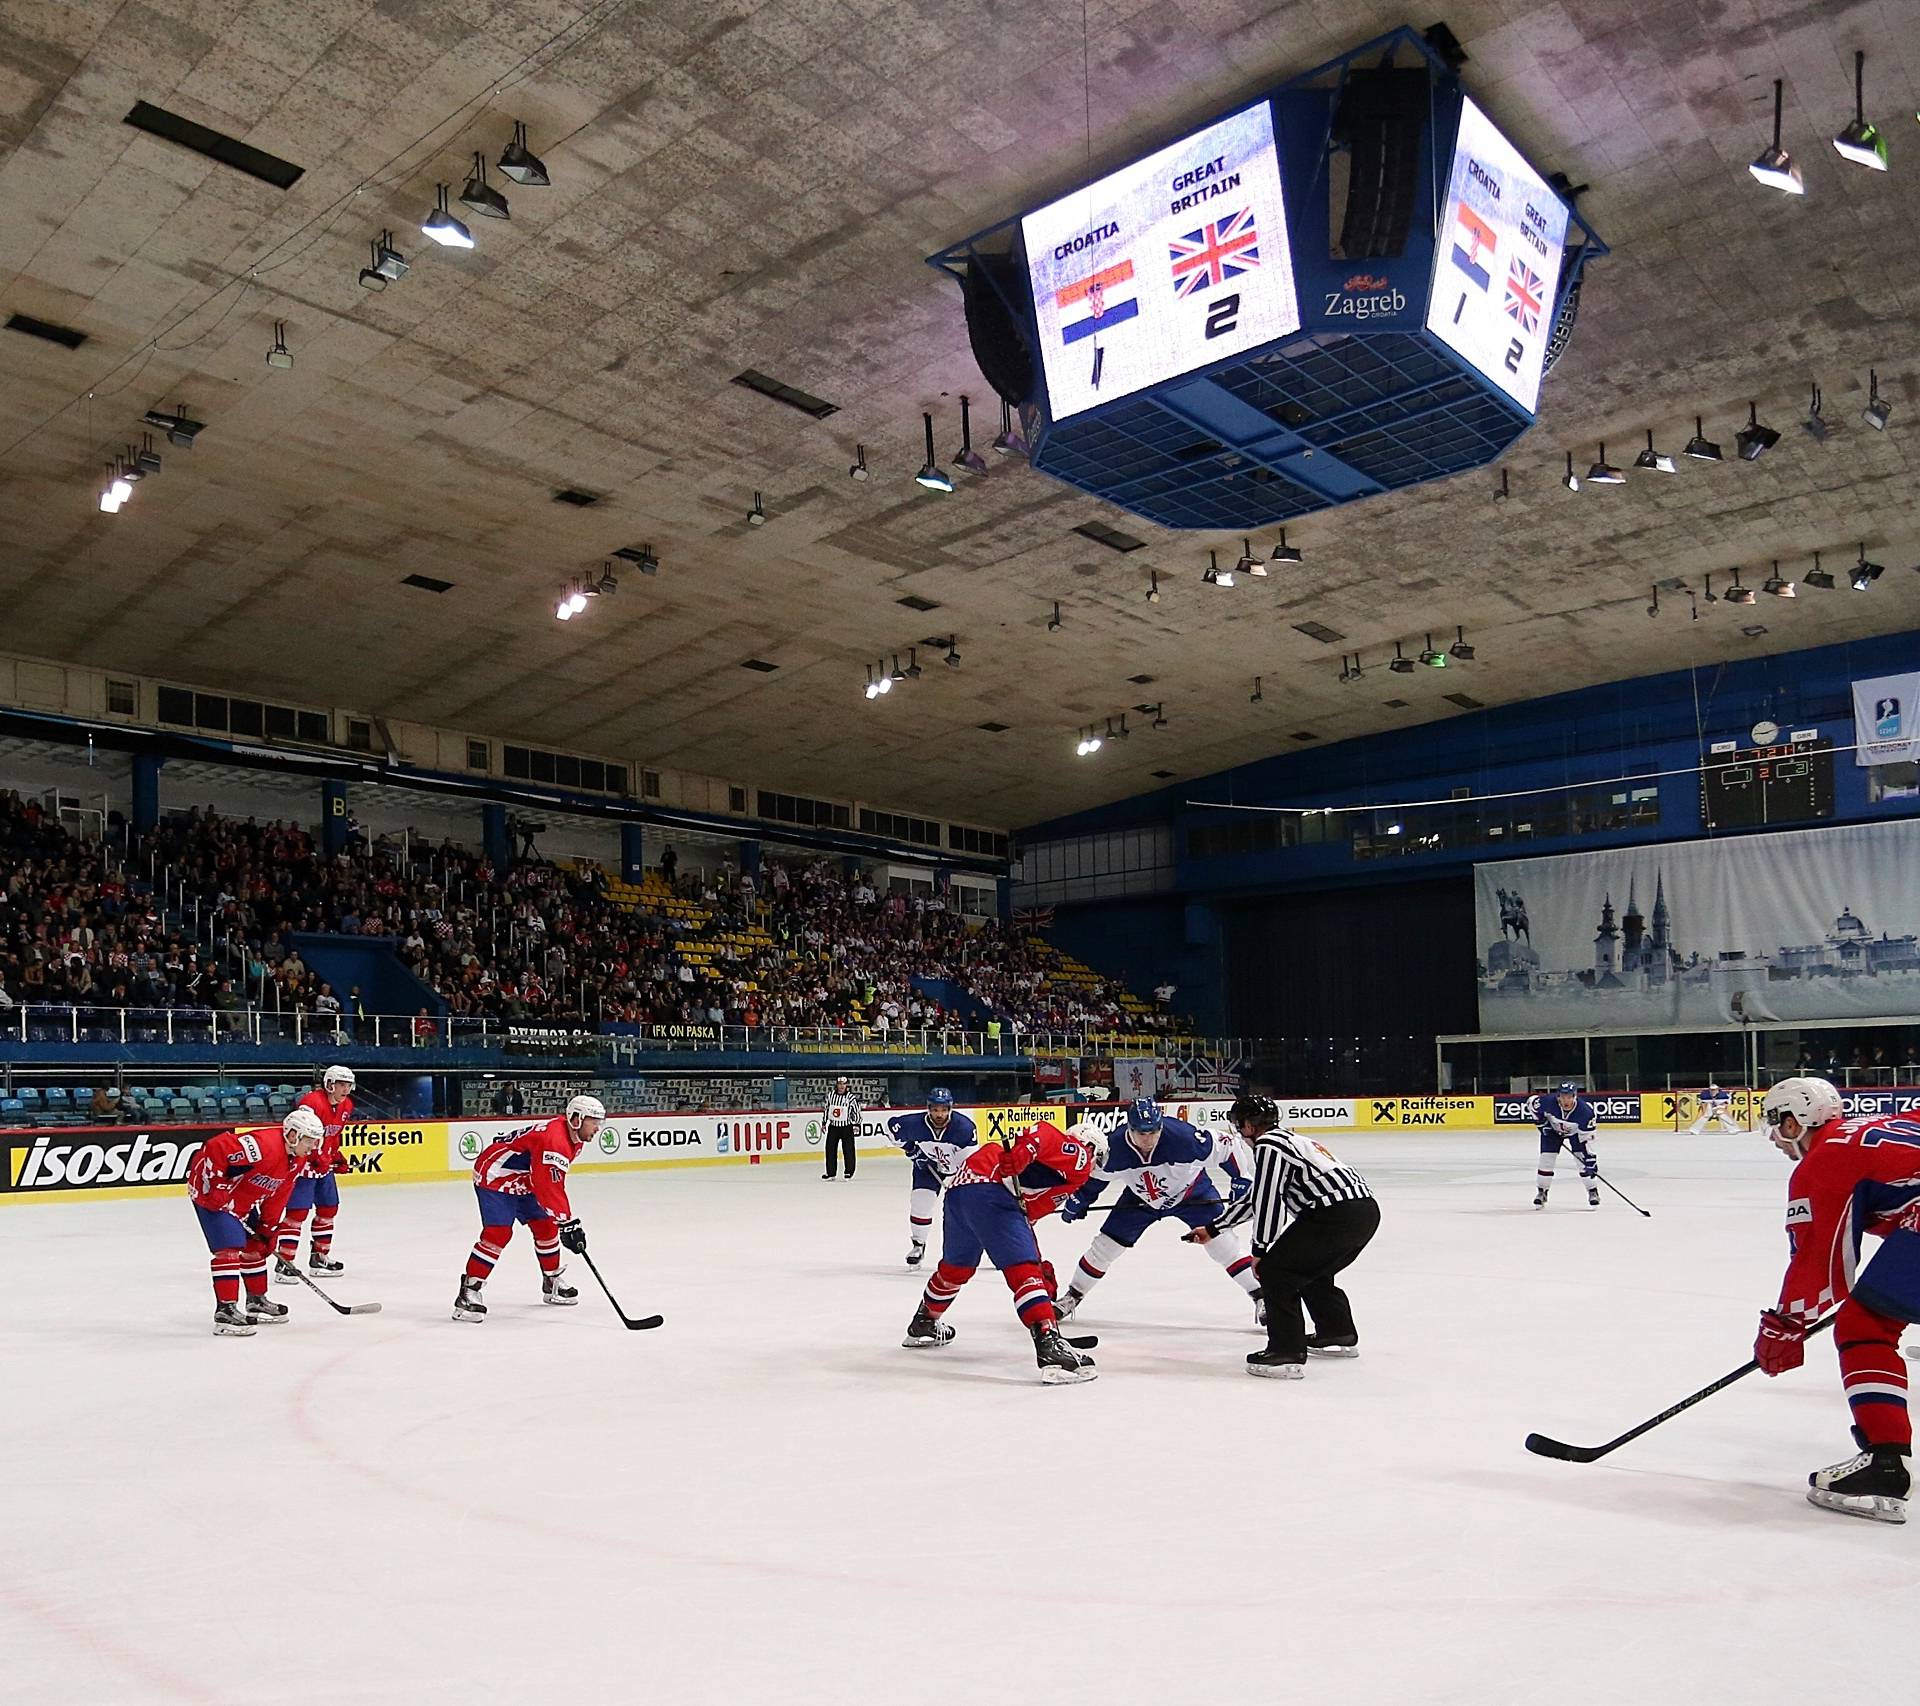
x,y
1153,586
1349,671
1817,576
280,356
1400,665
1054,624
913,663
563,611
520,163
1774,166
389,265
148,461
1738,594
1603,472
1122,732
859,469
1865,573
1285,553
648,563
1010,442
1710,598
1878,408
481,196
180,431
1504,492
1092,743
1460,648
609,583
1570,479
899,674
130,469
1754,440
1249,564
1815,423
1431,658
967,457
1256,697
1215,575
441,225
1160,715
885,682
1700,447
110,498
931,475
953,653
872,688
1653,609
1860,142
1653,460
1776,586
578,601
757,516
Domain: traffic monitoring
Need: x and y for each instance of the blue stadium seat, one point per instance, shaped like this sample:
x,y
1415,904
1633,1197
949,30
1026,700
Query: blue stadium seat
x,y
180,1109
58,1101
257,1106
30,1096
13,1111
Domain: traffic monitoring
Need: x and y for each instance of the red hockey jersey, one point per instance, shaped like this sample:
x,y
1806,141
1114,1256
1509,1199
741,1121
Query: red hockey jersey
x,y
328,1157
1067,1159
532,1163
1858,1177
238,1172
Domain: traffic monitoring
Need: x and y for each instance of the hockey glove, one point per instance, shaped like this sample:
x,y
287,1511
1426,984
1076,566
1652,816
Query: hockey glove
x,y
573,1236
1237,1189
1782,1344
1071,1210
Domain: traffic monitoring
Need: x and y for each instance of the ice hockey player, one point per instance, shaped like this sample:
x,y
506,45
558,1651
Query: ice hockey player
x,y
524,1178
1715,1104
843,1125
992,1201
1852,1177
1161,1166
1566,1117
239,1184
1334,1217
317,1188
936,1143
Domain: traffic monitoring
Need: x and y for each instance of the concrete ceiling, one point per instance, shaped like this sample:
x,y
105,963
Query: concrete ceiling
x,y
742,185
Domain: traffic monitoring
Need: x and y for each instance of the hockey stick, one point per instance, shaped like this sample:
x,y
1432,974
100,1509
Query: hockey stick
x,y
339,1308
644,1324
1541,1446
1622,1195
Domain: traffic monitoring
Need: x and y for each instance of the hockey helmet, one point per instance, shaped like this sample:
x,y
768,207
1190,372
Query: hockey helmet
x,y
1143,1115
939,1098
1260,1112
1091,1133
584,1108
339,1078
303,1123
1567,1089
1813,1102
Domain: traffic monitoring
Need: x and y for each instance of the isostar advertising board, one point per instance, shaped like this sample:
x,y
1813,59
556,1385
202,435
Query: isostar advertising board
x,y
119,1157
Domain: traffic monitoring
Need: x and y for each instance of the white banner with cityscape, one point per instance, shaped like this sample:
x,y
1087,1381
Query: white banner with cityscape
x,y
1757,929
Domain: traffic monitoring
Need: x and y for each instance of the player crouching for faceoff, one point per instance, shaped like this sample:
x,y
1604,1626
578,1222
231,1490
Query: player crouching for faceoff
x,y
1311,1217
317,1188
239,1183
992,1201
1566,1117
1851,1177
935,1142
1160,1165
524,1177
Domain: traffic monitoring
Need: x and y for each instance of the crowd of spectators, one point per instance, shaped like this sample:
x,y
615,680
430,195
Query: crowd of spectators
x,y
204,912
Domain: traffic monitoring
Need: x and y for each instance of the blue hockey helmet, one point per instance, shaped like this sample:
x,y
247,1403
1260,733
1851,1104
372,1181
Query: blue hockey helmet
x,y
1143,1115
1568,1089
940,1098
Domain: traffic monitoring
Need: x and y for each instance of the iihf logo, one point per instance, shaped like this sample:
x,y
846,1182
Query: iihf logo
x,y
1886,718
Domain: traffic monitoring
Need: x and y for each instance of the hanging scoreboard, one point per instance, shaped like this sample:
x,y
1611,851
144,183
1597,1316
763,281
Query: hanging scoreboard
x,y
1167,265
1496,268
1745,788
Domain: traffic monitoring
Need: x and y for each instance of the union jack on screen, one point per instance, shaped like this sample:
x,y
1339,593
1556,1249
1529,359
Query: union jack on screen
x,y
1524,288
1221,249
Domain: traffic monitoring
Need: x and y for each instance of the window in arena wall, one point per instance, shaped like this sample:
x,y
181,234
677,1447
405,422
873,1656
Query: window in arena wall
x,y
736,799
478,757
650,784
359,734
123,698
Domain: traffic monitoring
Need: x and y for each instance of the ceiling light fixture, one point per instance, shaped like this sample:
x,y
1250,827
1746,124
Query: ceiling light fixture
x,y
859,470
388,266
1700,447
130,469
1817,576
1054,624
1570,479
931,475
1122,732
1431,658
1505,491
1217,575
883,683
579,600
1653,609
967,457
1878,409
1160,715
1010,442
441,225
1774,166
1153,586
1285,553
757,516
280,356
899,674
1754,440
913,663
1710,599
481,196
1738,594
1401,665
1815,423
1860,142
1652,460
1349,671
1776,586
872,688
1249,564
952,659
180,431
1865,573
520,163
1256,697
1603,472
1460,648
148,461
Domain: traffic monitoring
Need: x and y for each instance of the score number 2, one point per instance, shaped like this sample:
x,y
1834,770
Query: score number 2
x,y
1515,348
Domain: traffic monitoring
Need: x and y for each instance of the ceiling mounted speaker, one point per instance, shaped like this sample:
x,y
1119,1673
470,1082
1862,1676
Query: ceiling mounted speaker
x,y
1000,347
1380,120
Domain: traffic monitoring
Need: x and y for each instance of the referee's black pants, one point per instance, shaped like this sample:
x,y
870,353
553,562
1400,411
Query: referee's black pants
x,y
840,1140
1300,1266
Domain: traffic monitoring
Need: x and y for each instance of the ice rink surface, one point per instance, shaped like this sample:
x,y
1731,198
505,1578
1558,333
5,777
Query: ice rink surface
x,y
768,1500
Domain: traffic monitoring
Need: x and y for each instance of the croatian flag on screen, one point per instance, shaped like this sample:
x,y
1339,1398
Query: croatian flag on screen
x,y
1473,237
1101,309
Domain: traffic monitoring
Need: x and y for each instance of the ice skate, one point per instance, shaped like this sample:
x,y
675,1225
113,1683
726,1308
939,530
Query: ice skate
x,y
323,1266
924,1332
1260,1311
1069,1300
1540,1197
467,1306
1276,1365
1060,1364
1874,1484
1333,1344
1593,1194
265,1311
915,1251
553,1289
284,1272
229,1323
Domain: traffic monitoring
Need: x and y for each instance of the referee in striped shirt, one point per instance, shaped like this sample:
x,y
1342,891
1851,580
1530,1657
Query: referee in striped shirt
x,y
1311,1216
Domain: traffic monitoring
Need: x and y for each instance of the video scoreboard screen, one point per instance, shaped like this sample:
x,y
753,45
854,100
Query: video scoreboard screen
x,y
1744,788
1170,264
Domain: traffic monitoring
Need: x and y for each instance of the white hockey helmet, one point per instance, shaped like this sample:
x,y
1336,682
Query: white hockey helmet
x,y
303,1122
338,1078
583,1108
1813,1102
1094,1136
